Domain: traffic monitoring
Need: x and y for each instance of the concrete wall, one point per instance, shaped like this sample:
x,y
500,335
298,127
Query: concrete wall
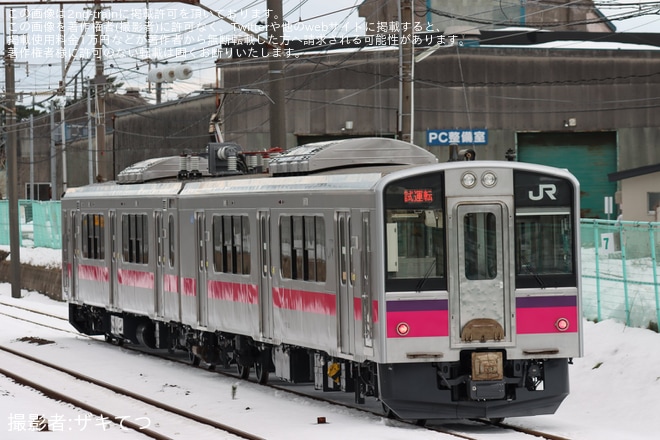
x,y
33,278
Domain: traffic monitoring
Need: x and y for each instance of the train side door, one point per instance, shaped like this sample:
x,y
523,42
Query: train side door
x,y
366,294
265,280
484,293
114,256
201,240
73,249
160,262
345,321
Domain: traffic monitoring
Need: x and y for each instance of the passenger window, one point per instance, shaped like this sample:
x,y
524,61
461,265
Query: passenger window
x,y
93,242
285,247
172,241
231,244
302,248
135,233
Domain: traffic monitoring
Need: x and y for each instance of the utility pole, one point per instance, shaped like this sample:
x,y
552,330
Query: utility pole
x,y
53,154
33,196
90,143
62,91
99,87
407,70
276,74
12,172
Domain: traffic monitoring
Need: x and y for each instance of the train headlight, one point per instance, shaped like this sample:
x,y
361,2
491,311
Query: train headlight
x,y
468,179
402,328
489,179
562,324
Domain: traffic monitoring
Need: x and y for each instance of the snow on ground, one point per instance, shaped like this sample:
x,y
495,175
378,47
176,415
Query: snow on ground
x,y
51,258
614,390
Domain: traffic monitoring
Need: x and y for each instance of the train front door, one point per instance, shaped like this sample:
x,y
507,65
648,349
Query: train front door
x,y
265,284
482,303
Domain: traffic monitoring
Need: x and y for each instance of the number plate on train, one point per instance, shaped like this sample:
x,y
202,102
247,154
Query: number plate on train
x,y
487,366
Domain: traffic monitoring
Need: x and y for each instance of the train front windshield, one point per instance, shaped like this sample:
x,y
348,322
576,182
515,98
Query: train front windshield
x,y
415,234
544,237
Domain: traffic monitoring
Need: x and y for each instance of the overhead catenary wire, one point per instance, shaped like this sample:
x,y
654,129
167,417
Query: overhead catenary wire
x,y
129,75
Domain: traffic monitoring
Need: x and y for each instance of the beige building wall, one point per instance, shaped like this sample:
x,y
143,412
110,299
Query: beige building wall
x,y
635,198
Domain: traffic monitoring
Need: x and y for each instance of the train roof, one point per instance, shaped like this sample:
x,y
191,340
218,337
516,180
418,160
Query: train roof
x,y
357,164
318,182
347,153
111,189
157,169
352,179
303,160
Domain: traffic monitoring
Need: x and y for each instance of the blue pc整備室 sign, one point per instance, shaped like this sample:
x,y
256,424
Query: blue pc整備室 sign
x,y
457,136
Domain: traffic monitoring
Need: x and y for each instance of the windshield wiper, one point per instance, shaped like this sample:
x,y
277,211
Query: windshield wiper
x,y
427,275
530,270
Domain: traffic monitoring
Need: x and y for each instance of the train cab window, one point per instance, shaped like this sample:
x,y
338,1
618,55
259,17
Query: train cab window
x,y
302,248
92,231
415,234
544,231
135,238
544,243
231,244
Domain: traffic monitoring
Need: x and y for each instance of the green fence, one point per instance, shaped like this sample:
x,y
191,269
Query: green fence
x,y
620,271
40,223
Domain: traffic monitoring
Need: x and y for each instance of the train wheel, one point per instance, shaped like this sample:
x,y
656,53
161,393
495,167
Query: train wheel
x,y
193,358
113,340
243,370
262,373
388,412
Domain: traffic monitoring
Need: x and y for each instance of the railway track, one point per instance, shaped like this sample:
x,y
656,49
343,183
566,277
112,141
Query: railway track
x,y
117,405
469,430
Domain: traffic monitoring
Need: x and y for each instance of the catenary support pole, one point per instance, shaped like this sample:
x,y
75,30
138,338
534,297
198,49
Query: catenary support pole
x,y
12,173
276,75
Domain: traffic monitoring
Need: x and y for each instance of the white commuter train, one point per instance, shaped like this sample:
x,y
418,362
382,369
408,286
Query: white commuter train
x,y
445,290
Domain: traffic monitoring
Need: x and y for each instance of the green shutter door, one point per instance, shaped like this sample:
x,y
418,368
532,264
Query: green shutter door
x,y
589,156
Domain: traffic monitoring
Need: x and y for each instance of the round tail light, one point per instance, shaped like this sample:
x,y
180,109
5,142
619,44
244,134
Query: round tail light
x,y
402,328
562,324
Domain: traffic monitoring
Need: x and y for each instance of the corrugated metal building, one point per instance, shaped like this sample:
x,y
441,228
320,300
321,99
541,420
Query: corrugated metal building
x,y
591,111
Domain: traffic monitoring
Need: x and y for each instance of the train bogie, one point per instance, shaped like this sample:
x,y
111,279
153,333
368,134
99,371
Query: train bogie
x,y
444,290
